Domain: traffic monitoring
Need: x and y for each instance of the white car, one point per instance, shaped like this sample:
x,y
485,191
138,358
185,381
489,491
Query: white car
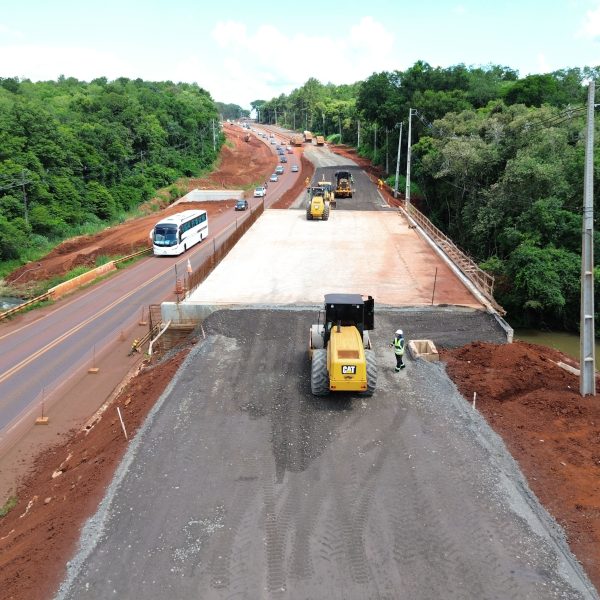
x,y
294,168
260,192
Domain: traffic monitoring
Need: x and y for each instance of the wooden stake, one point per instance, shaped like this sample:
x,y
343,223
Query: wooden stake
x,y
42,420
474,398
122,424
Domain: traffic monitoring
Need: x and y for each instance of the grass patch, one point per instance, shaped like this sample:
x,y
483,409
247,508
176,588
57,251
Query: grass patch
x,y
8,506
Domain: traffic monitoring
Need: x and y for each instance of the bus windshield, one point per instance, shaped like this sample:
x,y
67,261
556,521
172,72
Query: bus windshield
x,y
165,235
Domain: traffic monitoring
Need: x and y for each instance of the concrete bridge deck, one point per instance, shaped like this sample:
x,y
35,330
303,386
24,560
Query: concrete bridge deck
x,y
285,259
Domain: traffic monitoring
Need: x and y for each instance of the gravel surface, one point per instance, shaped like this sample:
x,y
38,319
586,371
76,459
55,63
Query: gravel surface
x,y
242,484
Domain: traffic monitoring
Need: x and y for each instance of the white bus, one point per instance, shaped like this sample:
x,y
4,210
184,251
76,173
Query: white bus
x,y
175,234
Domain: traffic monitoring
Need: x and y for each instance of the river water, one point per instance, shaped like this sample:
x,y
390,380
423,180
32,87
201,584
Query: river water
x,y
565,342
7,302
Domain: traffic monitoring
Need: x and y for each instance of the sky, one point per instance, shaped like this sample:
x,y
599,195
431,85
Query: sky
x,y
242,51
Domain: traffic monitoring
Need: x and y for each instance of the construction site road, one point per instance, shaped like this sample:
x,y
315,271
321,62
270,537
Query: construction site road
x,y
241,484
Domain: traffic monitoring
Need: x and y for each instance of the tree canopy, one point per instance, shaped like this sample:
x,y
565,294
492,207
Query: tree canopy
x,y
73,152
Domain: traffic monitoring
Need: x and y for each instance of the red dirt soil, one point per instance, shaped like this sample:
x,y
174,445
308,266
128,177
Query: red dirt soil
x,y
522,393
552,431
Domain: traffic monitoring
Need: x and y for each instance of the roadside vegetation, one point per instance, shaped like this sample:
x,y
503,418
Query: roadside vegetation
x,y
497,164
76,156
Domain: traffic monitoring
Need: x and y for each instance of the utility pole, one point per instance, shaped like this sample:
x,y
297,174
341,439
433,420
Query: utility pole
x,y
214,136
387,154
275,115
398,163
375,144
358,133
408,153
587,350
340,127
323,115
24,197
294,121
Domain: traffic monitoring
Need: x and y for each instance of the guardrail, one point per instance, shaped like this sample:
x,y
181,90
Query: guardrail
x,y
483,281
66,286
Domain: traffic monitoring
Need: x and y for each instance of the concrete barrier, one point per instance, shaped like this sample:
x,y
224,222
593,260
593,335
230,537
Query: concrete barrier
x,y
72,284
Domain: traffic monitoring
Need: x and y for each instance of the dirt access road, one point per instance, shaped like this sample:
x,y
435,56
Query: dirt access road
x,y
521,392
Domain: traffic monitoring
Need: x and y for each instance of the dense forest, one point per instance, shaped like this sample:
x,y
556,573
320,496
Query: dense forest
x,y
497,164
75,155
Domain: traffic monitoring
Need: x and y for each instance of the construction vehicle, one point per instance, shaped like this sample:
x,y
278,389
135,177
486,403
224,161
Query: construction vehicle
x,y
296,140
343,186
342,358
308,137
320,140
317,207
328,194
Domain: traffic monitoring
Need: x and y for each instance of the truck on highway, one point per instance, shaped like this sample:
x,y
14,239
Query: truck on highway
x,y
308,137
320,140
296,140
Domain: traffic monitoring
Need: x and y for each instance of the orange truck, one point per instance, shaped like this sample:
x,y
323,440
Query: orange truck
x,y
320,140
296,140
308,137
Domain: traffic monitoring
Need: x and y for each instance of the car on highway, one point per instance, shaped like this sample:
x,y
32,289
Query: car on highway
x,y
289,150
274,177
241,205
260,192
273,141
294,168
282,158
278,170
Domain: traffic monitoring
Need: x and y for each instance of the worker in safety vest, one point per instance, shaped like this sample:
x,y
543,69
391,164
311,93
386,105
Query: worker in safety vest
x,y
398,345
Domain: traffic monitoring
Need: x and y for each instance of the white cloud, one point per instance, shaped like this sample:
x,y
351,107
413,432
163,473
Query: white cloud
x,y
459,9
542,64
48,62
7,31
235,64
257,65
591,26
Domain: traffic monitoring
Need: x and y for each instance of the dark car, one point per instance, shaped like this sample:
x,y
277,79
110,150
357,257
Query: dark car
x,y
282,158
241,205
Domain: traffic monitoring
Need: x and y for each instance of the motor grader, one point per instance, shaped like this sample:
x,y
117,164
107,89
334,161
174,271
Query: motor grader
x,y
317,207
343,186
342,358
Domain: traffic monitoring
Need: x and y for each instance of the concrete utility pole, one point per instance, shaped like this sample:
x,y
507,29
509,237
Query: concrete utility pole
x,y
294,113
340,126
358,133
408,153
387,154
398,163
587,349
375,143
275,115
214,136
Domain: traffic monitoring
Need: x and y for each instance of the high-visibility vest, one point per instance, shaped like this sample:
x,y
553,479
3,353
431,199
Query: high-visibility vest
x,y
399,346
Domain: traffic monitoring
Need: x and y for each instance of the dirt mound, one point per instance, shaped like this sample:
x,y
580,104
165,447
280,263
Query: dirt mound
x,y
552,432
